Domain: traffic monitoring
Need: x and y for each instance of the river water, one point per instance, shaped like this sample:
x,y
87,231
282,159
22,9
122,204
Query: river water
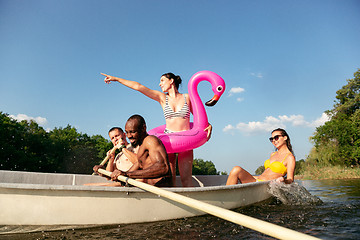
x,y
326,209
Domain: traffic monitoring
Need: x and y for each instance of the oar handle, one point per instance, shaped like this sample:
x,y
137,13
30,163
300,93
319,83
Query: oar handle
x,y
246,221
119,146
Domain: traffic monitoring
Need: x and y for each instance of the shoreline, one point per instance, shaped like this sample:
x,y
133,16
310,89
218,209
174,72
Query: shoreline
x,y
302,177
316,172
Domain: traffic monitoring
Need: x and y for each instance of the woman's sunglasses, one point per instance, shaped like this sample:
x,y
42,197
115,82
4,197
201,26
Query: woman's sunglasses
x,y
276,137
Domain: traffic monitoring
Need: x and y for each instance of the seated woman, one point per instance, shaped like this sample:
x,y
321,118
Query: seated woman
x,y
280,163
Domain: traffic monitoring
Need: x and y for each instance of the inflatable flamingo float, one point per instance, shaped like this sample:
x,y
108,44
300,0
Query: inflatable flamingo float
x,y
196,136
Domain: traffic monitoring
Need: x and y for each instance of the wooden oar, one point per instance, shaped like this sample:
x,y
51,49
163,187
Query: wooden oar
x,y
246,221
119,146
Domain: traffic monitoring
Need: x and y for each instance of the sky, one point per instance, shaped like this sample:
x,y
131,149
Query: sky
x,y
282,62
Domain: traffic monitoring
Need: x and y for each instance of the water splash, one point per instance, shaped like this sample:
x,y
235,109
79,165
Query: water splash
x,y
292,194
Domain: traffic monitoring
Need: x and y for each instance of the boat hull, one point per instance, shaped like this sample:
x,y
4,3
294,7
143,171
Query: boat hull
x,y
62,199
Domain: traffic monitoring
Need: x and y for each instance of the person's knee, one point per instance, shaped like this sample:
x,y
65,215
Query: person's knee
x,y
236,170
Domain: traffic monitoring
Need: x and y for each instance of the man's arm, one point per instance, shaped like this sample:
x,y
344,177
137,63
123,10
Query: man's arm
x,y
110,165
153,158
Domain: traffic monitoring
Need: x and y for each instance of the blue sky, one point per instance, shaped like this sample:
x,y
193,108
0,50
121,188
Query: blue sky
x,y
282,61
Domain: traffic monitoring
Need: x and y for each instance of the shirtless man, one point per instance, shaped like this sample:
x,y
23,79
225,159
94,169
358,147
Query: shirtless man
x,y
152,163
123,162
120,162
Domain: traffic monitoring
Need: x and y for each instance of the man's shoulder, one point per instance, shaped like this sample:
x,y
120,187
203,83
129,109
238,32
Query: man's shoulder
x,y
151,139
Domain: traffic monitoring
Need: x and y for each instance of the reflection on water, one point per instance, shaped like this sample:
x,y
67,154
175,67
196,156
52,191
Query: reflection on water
x,y
338,217
334,190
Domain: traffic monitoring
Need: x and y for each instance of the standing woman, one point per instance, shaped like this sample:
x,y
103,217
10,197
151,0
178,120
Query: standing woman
x,y
280,163
177,108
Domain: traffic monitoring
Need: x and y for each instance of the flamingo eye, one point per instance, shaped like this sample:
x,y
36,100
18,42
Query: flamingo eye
x,y
219,88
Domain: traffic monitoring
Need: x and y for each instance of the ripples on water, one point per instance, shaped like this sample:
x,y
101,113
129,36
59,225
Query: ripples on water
x,y
332,211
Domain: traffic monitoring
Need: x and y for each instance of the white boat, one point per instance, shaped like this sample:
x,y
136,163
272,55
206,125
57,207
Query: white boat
x,y
50,199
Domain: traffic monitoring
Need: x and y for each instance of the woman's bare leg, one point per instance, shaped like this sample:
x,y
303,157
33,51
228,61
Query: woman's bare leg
x,y
172,160
185,162
238,173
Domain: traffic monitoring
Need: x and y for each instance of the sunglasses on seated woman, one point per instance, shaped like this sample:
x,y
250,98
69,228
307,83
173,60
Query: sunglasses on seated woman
x,y
276,137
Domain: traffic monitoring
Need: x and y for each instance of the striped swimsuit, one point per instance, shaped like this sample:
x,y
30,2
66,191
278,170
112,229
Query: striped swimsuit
x,y
184,112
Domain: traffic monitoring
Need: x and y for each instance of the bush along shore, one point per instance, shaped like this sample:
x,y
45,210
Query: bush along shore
x,y
318,172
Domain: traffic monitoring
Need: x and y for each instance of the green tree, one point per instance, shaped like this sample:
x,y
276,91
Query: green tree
x,y
26,146
260,170
11,143
79,152
299,167
102,145
337,142
201,167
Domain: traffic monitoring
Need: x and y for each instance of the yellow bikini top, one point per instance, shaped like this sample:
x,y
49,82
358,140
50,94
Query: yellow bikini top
x,y
277,167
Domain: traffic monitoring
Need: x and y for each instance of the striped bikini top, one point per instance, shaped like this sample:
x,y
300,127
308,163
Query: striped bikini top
x,y
277,167
184,112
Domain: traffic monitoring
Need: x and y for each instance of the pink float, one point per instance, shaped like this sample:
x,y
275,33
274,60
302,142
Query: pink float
x,y
196,136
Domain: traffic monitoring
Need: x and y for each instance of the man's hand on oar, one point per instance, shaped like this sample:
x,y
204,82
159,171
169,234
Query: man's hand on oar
x,y
115,174
108,155
96,170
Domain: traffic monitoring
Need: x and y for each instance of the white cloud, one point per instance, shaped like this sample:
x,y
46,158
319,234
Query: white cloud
x,y
20,117
296,120
236,90
270,123
228,128
258,75
267,125
320,121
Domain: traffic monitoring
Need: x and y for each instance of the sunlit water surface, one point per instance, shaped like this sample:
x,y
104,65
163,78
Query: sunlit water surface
x,y
327,209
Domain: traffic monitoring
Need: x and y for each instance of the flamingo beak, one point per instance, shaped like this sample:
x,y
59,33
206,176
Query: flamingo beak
x,y
213,101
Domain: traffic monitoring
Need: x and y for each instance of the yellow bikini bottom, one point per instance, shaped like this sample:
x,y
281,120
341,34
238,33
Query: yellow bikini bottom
x,y
259,180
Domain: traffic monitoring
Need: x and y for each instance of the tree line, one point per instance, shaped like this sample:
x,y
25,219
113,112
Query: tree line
x,y
26,146
337,142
